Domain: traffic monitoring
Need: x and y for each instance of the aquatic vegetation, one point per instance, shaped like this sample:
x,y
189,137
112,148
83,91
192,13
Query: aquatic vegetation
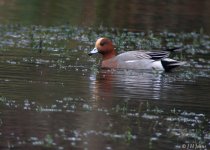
x,y
68,43
45,38
173,123
48,140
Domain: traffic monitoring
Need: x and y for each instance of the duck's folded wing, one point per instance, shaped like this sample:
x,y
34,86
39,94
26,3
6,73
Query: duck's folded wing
x,y
158,55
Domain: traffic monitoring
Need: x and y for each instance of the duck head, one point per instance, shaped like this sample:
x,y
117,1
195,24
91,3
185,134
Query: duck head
x,y
105,47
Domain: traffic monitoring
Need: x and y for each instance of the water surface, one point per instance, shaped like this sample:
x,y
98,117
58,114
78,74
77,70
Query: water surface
x,y
54,96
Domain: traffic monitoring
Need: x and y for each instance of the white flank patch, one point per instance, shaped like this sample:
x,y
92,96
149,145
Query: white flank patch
x,y
157,65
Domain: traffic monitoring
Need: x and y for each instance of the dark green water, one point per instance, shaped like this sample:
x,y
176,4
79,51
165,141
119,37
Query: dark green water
x,y
172,15
54,96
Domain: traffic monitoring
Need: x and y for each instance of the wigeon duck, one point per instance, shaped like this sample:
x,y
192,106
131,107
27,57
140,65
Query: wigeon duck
x,y
156,60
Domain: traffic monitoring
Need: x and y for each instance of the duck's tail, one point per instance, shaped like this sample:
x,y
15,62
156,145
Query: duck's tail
x,y
169,64
174,49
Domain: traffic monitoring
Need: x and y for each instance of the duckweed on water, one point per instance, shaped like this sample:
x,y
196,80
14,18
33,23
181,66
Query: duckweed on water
x,y
51,38
71,44
179,124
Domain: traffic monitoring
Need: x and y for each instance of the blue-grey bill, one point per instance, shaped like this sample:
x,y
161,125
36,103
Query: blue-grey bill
x,y
94,51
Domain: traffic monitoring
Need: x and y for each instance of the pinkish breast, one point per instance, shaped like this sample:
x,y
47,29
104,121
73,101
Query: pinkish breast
x,y
110,63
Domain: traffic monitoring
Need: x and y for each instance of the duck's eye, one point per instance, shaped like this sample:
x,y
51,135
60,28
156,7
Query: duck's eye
x,y
102,43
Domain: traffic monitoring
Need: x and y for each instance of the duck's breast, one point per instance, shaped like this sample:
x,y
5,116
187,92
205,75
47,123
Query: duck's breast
x,y
110,63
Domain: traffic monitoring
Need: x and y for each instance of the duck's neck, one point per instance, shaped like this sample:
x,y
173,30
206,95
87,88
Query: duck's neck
x,y
109,55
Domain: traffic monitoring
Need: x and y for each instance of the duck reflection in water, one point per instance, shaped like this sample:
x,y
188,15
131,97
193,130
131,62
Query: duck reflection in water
x,y
112,84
